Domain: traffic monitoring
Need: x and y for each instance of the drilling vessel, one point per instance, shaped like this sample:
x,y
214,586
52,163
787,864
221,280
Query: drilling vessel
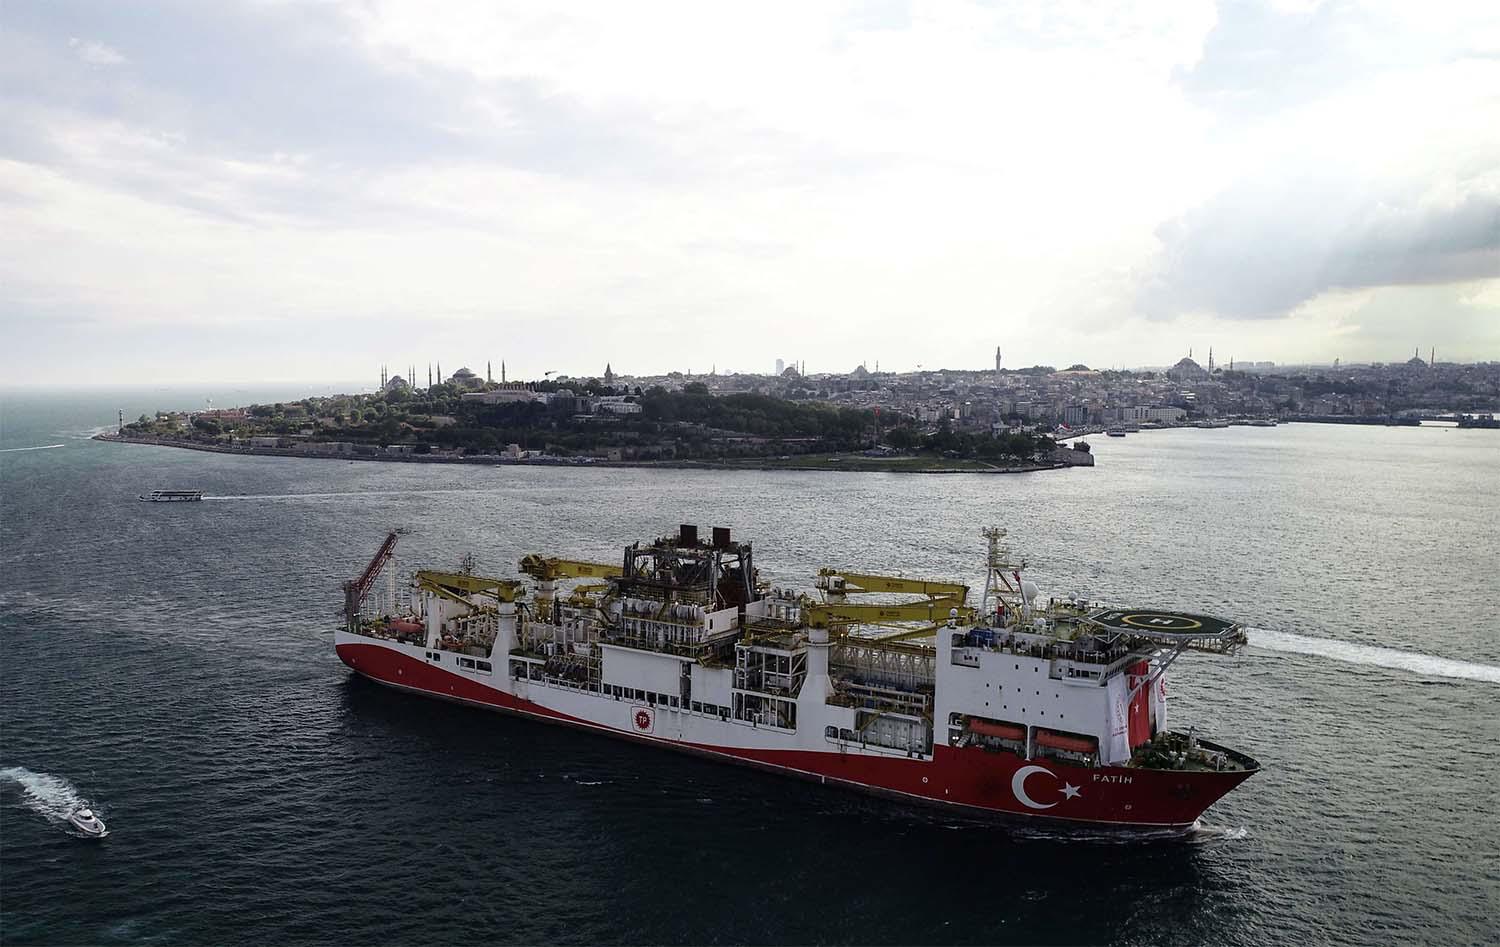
x,y
1015,706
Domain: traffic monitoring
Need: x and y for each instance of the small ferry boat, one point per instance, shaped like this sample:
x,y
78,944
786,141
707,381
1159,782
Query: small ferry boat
x,y
1115,432
172,496
84,820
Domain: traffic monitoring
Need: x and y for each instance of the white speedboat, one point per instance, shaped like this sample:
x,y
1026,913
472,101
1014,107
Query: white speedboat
x,y
84,820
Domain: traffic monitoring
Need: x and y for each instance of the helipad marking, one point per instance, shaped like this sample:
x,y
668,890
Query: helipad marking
x,y
1156,622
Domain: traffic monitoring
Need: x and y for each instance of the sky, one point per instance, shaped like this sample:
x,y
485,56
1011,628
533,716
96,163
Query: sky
x,y
271,190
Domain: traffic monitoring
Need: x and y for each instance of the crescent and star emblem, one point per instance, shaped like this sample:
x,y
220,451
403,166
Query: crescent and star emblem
x,y
1018,786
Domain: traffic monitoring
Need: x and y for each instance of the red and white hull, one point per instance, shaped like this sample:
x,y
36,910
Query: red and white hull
x,y
970,779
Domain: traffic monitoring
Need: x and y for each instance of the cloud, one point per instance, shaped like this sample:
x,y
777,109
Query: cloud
x,y
927,178
1358,146
1264,247
96,53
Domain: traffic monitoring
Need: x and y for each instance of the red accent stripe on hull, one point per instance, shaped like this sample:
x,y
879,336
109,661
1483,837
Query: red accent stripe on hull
x,y
970,779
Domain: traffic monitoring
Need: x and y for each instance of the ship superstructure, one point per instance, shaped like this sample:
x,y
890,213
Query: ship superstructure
x,y
890,684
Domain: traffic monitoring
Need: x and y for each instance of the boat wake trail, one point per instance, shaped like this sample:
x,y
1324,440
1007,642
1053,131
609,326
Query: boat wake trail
x,y
1354,653
12,450
338,496
50,796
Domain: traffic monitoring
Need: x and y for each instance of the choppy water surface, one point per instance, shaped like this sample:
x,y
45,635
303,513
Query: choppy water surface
x,y
172,665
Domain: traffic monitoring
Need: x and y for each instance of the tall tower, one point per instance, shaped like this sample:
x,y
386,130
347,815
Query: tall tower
x,y
997,358
502,371
609,374
382,378
488,375
780,367
1210,359
440,373
1432,357
429,374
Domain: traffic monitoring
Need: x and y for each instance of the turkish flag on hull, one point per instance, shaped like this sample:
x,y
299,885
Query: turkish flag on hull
x,y
1140,706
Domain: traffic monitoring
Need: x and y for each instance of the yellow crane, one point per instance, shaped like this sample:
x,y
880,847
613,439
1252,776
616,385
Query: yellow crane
x,y
550,569
933,611
460,586
942,601
840,582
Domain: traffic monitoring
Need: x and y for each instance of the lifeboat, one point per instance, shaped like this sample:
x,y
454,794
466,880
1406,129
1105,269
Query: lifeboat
x,y
1063,741
1001,731
406,627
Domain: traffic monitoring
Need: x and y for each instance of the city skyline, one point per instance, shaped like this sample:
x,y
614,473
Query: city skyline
x,y
292,192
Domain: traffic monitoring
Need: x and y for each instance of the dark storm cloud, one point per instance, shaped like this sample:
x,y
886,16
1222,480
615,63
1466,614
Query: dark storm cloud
x,y
1259,251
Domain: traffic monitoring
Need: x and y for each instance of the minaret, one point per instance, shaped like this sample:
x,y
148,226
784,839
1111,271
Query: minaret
x,y
1210,359
1432,357
429,374
440,373
488,375
382,378
502,371
997,358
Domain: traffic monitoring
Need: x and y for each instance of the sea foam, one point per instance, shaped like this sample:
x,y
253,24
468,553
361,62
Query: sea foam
x,y
1355,653
43,793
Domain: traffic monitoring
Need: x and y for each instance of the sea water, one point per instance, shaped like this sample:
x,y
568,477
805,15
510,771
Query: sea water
x,y
173,663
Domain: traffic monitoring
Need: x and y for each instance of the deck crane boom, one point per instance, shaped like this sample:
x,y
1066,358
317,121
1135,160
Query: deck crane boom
x,y
461,586
943,601
840,582
933,611
355,590
550,569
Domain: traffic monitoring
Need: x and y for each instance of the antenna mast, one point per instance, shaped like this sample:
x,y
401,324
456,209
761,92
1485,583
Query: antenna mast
x,y
1002,579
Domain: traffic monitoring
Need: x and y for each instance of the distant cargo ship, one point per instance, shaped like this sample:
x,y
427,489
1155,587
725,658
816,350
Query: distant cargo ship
x,y
172,496
1022,706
